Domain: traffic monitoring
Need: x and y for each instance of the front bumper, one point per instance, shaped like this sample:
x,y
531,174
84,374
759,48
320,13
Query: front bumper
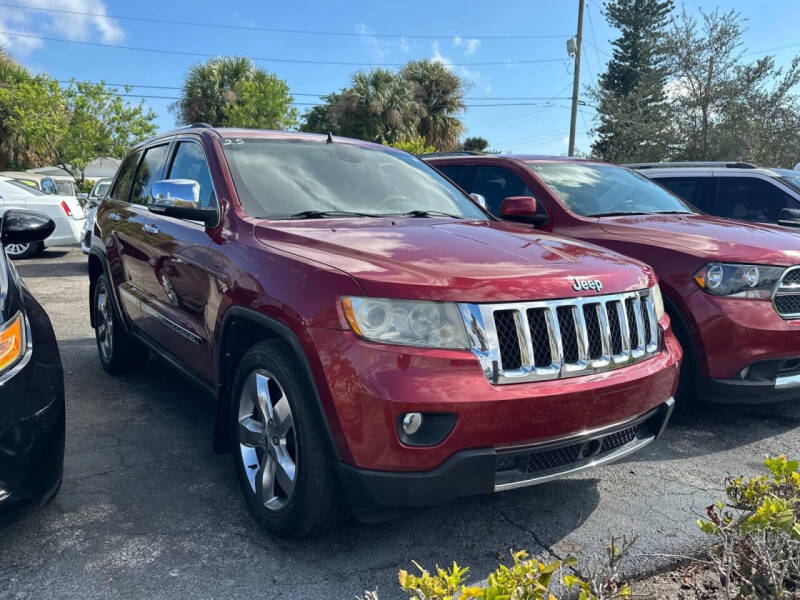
x,y
32,423
487,470
367,387
735,333
763,382
67,232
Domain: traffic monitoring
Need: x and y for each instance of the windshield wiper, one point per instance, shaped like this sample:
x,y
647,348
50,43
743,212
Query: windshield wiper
x,y
421,214
321,214
618,214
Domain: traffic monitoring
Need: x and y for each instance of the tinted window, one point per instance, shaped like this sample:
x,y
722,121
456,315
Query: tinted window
x,y
122,185
279,178
750,199
597,190
698,191
498,183
149,171
461,175
190,163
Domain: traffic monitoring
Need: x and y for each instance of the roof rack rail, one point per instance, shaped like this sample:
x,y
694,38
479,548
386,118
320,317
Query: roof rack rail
x,y
459,153
687,164
200,125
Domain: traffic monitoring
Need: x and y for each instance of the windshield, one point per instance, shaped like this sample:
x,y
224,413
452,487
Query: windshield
x,y
596,190
790,178
100,189
65,188
302,179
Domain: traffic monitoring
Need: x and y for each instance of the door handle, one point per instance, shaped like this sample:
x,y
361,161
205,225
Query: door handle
x,y
114,217
151,229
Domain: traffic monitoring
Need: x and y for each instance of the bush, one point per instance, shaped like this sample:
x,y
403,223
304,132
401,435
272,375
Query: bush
x,y
757,555
414,145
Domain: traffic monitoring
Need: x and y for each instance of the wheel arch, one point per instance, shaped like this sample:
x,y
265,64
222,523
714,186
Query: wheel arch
x,y
256,327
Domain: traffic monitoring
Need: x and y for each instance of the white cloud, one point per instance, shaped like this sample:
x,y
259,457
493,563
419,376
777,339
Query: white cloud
x,y
472,77
470,45
404,45
94,26
371,41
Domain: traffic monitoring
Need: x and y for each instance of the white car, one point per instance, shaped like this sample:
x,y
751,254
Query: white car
x,y
65,211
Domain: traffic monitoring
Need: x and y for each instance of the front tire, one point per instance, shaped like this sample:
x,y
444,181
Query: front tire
x,y
281,455
119,352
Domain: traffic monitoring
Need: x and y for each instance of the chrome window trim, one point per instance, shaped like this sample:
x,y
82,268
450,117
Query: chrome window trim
x,y
789,290
484,343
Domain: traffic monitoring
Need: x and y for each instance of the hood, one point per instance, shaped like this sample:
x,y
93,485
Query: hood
x,y
467,261
710,238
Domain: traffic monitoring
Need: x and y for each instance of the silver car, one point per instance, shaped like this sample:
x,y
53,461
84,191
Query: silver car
x,y
99,191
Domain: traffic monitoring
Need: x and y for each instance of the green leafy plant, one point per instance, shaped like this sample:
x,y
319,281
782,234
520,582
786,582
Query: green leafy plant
x,y
757,554
414,145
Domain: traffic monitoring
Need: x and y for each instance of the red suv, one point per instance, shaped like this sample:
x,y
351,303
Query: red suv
x,y
731,289
368,332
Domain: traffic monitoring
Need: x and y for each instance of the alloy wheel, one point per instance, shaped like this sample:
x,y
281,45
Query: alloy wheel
x,y
267,440
14,250
105,322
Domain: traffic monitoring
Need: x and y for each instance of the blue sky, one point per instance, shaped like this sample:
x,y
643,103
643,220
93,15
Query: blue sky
x,y
456,31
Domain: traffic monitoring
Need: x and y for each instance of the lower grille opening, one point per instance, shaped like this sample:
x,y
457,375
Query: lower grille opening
x,y
790,367
554,459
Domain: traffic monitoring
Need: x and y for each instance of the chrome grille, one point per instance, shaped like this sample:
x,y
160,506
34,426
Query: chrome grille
x,y
534,341
787,294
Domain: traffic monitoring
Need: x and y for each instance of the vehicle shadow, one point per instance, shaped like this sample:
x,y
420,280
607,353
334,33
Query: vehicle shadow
x,y
702,429
43,268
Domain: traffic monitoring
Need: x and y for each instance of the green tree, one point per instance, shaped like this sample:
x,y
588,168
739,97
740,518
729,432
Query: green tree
x,y
475,144
379,106
230,91
414,145
439,92
633,113
726,109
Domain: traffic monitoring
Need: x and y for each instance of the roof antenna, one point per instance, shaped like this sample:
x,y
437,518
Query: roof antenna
x,y
330,138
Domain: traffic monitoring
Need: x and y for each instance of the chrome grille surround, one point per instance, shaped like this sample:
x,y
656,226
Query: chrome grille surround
x,y
788,288
479,320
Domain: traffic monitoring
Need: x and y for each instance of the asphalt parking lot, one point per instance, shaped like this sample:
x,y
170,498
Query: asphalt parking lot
x,y
147,510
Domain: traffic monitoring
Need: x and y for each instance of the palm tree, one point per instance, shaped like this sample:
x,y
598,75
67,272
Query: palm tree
x,y
209,87
439,92
379,106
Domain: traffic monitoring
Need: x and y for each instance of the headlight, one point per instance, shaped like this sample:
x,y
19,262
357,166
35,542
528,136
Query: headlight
x,y
658,301
12,342
739,281
406,322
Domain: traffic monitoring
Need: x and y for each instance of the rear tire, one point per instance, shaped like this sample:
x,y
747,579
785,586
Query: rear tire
x,y
281,453
119,352
29,250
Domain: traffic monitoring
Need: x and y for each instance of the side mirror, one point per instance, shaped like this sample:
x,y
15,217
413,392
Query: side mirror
x,y
523,210
83,196
19,226
179,198
480,200
789,217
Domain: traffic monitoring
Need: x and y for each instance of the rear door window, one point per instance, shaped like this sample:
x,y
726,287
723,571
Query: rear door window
x,y
149,172
498,183
698,191
751,199
461,175
122,184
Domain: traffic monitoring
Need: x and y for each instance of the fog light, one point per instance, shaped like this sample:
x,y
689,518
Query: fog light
x,y
412,422
744,373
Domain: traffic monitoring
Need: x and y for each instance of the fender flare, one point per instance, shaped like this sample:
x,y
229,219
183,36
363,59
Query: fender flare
x,y
222,437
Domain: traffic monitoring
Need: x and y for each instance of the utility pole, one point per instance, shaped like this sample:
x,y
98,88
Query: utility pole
x,y
578,40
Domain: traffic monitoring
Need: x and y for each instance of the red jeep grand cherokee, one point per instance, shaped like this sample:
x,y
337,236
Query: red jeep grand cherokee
x,y
368,331
731,289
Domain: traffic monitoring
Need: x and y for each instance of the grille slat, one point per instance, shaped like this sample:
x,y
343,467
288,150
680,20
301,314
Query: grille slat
x,y
566,338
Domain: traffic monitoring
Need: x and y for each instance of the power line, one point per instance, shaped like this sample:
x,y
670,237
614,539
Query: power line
x,y
275,60
177,87
280,30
